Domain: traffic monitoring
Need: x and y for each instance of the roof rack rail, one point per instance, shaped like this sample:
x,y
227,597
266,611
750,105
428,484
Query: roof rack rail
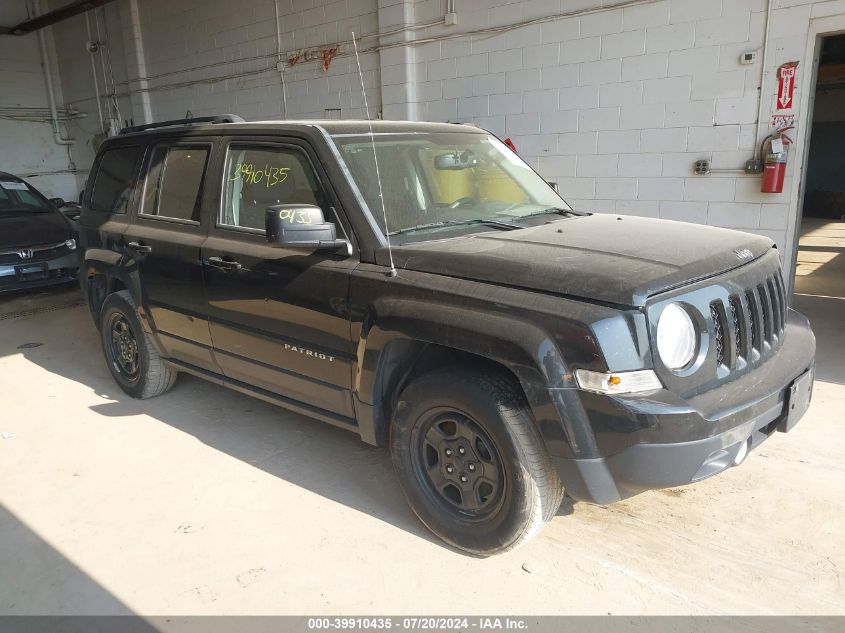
x,y
221,118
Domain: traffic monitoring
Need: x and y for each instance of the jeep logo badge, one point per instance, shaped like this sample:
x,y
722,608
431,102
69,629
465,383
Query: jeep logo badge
x,y
25,253
743,253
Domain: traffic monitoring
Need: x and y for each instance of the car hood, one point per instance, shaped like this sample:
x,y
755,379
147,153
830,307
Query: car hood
x,y
33,229
613,259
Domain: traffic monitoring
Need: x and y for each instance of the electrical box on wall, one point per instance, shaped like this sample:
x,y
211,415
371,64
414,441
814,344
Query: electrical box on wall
x,y
753,166
748,57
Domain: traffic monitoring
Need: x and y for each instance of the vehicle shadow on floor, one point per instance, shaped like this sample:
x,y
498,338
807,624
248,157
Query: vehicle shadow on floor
x,y
328,461
331,462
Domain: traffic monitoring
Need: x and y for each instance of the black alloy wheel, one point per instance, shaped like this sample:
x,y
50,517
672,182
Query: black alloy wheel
x,y
470,459
124,347
458,463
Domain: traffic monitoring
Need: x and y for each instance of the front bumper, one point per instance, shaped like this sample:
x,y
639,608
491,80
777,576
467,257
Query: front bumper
x,y
664,441
40,273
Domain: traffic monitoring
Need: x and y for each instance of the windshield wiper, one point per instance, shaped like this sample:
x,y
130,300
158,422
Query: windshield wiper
x,y
434,225
557,210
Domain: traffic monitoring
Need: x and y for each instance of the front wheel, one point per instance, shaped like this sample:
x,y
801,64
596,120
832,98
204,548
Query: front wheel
x,y
134,363
470,460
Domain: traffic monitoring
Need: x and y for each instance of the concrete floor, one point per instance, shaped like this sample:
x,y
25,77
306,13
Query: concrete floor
x,y
205,501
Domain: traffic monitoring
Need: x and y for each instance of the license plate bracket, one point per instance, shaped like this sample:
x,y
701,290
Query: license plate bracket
x,y
798,398
30,272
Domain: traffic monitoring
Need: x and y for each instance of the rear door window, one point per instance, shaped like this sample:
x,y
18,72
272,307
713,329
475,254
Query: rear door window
x,y
175,182
115,180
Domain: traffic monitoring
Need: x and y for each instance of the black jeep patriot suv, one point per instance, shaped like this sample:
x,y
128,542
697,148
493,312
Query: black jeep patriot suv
x,y
421,285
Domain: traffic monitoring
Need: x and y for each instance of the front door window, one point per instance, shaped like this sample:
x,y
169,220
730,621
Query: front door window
x,y
260,177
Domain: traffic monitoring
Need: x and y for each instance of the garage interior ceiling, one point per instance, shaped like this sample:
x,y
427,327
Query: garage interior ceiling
x,y
53,17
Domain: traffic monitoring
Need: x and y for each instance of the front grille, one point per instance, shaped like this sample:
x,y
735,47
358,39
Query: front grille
x,y
754,325
40,253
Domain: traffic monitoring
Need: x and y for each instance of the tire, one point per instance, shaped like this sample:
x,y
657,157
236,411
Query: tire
x,y
511,489
134,363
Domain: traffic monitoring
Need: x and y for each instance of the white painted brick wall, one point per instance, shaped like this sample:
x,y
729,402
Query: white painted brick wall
x,y
645,91
180,36
640,165
28,147
615,106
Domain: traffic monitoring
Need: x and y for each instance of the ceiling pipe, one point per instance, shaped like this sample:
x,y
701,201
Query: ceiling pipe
x,y
140,63
48,81
53,17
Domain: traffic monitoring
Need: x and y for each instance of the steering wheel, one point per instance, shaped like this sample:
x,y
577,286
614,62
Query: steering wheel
x,y
463,201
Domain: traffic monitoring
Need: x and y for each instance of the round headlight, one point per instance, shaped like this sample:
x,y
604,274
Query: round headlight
x,y
71,244
676,339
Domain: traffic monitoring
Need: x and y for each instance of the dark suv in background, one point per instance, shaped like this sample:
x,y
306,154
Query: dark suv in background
x,y
420,285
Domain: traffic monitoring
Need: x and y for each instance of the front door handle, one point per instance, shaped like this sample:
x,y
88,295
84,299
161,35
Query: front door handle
x,y
139,247
225,264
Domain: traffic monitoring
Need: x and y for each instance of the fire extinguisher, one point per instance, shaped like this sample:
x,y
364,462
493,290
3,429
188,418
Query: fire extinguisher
x,y
776,149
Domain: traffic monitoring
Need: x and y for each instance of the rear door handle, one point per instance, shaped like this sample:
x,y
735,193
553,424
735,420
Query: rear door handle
x,y
225,264
141,248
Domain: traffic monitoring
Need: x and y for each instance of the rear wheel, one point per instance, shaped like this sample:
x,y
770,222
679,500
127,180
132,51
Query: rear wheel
x,y
134,363
471,462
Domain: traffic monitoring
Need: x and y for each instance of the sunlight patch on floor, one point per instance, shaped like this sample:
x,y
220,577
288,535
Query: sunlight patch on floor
x,y
809,261
820,264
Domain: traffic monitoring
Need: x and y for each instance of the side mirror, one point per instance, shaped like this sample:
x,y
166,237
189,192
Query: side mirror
x,y
300,226
57,202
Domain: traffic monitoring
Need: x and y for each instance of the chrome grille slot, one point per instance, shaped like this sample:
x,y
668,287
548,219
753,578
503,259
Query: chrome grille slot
x,y
738,329
753,319
783,299
718,333
765,313
776,314
780,292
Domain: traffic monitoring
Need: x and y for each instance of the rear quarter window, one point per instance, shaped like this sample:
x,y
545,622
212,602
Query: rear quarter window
x,y
115,180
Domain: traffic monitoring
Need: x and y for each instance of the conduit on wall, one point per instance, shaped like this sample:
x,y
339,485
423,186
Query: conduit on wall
x,y
763,77
289,59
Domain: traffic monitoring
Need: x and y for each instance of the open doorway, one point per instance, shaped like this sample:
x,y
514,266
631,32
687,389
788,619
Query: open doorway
x,y
820,265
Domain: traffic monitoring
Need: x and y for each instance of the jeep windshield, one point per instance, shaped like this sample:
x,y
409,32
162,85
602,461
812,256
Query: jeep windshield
x,y
438,183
